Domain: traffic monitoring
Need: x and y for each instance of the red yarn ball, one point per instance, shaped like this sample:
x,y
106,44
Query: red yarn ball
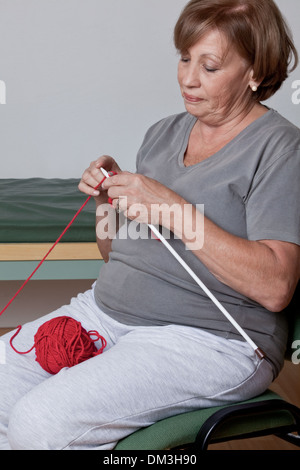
x,y
63,342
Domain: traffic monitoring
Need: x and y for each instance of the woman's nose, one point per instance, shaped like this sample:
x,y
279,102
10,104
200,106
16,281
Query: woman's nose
x,y
191,77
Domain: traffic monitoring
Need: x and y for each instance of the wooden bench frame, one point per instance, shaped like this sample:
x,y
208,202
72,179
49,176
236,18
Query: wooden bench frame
x,y
36,251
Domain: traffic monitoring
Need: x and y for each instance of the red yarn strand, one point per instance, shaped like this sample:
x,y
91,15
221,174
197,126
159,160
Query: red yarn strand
x,y
11,340
98,337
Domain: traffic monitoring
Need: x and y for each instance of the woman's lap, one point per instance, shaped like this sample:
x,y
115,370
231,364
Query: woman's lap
x,y
144,374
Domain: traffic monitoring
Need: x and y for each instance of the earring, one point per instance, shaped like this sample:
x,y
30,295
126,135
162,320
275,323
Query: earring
x,y
254,88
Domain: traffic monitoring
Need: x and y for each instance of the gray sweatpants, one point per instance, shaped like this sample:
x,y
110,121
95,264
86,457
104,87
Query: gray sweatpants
x,y
144,375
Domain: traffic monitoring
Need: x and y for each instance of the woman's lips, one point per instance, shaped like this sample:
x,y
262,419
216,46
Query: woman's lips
x,y
192,99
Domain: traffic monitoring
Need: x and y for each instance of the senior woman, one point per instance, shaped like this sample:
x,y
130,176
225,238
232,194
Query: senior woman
x,y
169,348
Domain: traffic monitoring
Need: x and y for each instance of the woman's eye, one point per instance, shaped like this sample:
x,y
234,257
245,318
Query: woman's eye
x,y
210,69
184,59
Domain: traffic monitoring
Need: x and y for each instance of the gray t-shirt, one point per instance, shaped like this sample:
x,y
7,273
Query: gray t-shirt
x,y
249,188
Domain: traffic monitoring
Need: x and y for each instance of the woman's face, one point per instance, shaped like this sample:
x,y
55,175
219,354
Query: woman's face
x,y
214,80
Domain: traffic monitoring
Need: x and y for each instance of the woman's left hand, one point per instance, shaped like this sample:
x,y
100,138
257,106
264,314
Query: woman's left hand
x,y
140,198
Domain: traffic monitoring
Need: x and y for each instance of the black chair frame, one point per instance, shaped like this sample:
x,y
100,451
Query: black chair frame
x,y
226,416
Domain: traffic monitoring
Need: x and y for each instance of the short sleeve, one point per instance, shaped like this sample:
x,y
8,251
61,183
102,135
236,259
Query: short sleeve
x,y
273,204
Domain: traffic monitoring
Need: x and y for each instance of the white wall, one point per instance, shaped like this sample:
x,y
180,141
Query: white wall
x,y
88,77
83,78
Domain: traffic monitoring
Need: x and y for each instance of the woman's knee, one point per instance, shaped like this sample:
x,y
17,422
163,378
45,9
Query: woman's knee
x,y
31,426
23,427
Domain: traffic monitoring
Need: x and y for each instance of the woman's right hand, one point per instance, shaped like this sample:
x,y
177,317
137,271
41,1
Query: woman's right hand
x,y
92,176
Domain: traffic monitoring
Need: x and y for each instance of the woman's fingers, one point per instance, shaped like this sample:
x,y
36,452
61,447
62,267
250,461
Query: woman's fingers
x,y
108,163
89,181
93,175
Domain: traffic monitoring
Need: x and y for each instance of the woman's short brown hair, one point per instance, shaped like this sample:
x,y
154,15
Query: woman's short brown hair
x,y
256,28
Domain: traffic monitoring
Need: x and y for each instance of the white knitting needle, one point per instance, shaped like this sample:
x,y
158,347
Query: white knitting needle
x,y
107,175
156,232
